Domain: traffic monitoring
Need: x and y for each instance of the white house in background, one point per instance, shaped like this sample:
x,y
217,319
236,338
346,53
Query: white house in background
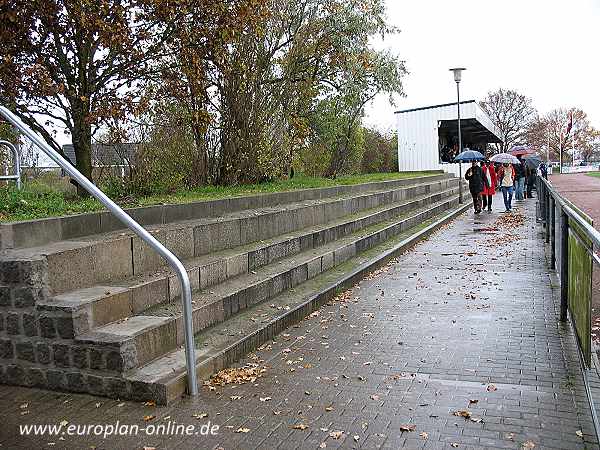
x,y
427,133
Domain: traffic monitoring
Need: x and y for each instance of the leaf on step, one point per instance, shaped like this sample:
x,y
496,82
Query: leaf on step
x,y
408,427
150,403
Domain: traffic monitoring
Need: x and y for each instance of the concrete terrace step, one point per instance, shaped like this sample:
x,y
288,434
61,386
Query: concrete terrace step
x,y
99,259
101,304
137,341
219,346
32,233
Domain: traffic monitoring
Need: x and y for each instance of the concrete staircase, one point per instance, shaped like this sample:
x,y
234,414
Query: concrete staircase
x,y
101,313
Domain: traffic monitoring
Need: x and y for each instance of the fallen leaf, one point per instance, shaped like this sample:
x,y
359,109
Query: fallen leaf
x,y
150,403
491,388
235,397
454,444
528,445
323,445
329,408
473,401
462,413
408,427
579,433
265,399
200,416
148,418
242,430
336,434
300,426
424,435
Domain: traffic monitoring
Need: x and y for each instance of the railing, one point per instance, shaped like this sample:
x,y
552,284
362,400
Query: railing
x,y
17,158
571,234
190,350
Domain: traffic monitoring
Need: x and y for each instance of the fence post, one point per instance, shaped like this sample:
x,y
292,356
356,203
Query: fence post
x,y
553,233
543,205
564,265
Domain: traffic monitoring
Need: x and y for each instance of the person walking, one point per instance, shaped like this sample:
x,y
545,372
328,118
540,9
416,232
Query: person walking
x,y
489,188
530,181
506,177
519,179
474,175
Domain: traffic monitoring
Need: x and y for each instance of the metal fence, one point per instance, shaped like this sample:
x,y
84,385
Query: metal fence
x,y
573,243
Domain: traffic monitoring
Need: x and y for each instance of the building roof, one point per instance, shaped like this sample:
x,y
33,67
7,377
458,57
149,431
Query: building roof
x,y
442,105
105,154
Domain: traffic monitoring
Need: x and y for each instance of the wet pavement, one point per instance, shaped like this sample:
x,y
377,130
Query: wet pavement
x,y
455,344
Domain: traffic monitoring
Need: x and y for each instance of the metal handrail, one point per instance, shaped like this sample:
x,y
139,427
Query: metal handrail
x,y
174,262
17,158
590,231
551,197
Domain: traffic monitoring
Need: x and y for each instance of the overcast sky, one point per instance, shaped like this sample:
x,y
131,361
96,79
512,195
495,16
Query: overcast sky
x,y
545,49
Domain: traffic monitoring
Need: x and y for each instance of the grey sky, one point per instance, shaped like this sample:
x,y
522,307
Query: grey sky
x,y
547,50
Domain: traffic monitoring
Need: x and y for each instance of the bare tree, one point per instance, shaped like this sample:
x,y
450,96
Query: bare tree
x,y
562,130
512,113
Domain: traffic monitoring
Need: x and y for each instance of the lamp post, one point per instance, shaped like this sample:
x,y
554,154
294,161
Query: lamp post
x,y
457,76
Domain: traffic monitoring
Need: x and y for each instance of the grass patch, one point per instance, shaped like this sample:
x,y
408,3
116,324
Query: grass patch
x,y
594,174
39,199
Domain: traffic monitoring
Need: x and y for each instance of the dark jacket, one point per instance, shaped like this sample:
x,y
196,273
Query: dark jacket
x,y
475,177
519,170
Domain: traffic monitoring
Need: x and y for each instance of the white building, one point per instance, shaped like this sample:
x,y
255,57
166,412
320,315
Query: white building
x,y
428,135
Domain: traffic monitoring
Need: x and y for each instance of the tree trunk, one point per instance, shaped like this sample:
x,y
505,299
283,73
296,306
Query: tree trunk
x,y
82,144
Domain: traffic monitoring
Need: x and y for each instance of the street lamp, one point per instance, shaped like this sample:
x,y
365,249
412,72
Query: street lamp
x,y
457,76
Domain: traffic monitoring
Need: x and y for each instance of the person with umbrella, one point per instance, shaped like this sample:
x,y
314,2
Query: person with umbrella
x,y
531,164
474,175
506,179
489,188
520,176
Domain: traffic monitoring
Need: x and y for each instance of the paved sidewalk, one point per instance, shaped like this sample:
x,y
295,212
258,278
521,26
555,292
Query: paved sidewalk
x,y
581,189
465,323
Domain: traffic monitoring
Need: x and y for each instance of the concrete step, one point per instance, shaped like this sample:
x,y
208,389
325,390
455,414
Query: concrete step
x,y
110,257
99,305
221,345
33,233
137,341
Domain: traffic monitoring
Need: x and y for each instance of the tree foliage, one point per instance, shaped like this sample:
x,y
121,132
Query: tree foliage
x,y
75,62
512,113
249,86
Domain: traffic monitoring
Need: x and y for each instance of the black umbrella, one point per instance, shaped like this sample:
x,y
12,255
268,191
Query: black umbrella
x,y
532,161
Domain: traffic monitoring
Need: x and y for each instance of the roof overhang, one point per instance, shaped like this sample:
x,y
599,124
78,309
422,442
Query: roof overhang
x,y
472,130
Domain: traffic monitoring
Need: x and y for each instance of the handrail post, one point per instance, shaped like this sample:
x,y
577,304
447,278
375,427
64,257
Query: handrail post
x,y
186,292
17,158
553,233
564,264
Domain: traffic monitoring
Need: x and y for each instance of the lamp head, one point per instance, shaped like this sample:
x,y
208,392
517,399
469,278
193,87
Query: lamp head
x,y
457,73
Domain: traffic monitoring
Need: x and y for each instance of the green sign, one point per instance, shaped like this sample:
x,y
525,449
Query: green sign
x,y
580,285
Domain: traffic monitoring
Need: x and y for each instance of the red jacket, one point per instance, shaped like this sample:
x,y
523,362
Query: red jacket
x,y
491,189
